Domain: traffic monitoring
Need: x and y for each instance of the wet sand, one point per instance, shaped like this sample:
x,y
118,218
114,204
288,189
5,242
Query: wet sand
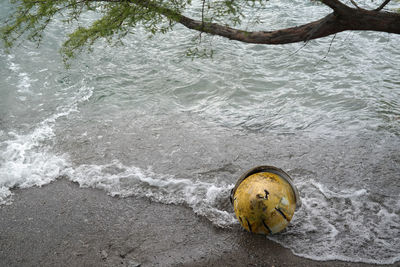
x,y
61,224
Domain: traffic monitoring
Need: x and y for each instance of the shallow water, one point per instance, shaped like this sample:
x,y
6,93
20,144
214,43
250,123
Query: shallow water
x,y
146,120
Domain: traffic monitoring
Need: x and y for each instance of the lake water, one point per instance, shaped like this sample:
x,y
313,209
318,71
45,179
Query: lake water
x,y
146,120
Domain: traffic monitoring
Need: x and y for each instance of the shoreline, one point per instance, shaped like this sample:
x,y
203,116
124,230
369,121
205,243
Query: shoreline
x,y
61,224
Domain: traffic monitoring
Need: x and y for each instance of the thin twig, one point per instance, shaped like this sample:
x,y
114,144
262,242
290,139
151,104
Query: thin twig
x,y
329,49
330,45
355,4
298,49
202,18
383,5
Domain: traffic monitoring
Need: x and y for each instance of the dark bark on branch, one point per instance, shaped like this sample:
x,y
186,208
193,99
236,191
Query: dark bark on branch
x,y
317,29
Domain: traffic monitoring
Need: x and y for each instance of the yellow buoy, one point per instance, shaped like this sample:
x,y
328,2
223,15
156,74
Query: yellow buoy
x,y
264,200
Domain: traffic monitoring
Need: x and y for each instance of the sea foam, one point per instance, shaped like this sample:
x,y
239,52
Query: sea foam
x,y
348,225
119,180
26,159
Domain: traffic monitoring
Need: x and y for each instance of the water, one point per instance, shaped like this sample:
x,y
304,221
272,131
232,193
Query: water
x,y
145,120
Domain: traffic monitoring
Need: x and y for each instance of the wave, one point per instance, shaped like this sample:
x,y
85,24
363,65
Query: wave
x,y
348,225
26,160
206,199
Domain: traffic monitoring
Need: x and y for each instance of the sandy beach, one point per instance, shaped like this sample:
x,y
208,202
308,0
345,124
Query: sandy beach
x,y
61,224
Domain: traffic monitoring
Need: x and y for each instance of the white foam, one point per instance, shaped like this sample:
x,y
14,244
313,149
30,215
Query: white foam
x,y
120,180
343,194
331,225
24,83
24,80
25,159
13,66
25,163
5,195
345,225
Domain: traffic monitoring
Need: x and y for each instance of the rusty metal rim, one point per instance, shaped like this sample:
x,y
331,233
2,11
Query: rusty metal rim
x,y
271,169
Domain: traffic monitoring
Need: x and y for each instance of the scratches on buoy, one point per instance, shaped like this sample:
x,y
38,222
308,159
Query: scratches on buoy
x,y
248,224
281,213
266,226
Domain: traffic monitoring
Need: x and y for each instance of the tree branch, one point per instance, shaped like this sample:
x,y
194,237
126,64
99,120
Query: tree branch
x,y
290,35
343,18
383,5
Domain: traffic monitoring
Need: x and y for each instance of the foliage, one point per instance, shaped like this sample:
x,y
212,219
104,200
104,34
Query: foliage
x,y
117,18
